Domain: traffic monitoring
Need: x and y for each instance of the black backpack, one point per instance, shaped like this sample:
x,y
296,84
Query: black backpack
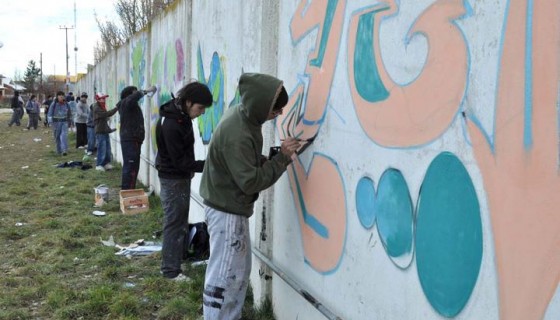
x,y
197,249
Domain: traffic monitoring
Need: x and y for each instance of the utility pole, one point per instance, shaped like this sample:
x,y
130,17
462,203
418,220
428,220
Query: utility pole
x,y
41,72
67,56
75,42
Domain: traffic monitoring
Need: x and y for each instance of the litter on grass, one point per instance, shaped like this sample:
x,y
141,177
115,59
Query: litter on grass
x,y
98,213
144,250
137,248
199,263
109,242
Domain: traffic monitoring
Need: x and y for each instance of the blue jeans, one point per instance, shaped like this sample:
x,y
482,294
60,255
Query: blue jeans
x,y
91,139
61,136
131,163
103,149
175,199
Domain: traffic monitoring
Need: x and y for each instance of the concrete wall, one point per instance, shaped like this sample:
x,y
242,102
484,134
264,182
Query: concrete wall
x,y
431,188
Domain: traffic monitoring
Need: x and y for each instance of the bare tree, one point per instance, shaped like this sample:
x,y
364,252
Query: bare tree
x,y
134,15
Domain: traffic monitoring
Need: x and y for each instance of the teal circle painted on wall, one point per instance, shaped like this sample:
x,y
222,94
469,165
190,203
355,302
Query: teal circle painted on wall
x,y
365,201
394,214
448,235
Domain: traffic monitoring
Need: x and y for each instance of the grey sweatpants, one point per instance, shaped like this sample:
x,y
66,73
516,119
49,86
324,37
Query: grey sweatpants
x,y
229,265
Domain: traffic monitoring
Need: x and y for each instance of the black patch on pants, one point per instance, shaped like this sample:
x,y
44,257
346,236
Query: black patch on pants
x,y
213,297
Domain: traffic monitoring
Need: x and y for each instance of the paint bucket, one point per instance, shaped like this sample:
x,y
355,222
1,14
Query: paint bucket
x,y
101,194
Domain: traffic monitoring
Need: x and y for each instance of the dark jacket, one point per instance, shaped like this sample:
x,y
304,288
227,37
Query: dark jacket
x,y
100,118
234,174
132,119
175,143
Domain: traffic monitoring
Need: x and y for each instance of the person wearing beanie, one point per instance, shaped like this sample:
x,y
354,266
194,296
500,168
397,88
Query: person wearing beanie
x,y
234,174
102,130
131,133
176,166
60,117
80,119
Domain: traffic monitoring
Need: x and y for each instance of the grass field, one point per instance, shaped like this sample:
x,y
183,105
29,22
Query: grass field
x,y
53,264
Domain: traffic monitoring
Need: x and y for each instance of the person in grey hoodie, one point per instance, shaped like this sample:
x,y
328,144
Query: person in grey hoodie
x,y
234,174
82,112
33,111
59,117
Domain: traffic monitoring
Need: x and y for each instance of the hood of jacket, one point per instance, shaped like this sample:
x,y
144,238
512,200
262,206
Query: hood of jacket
x,y
258,94
171,111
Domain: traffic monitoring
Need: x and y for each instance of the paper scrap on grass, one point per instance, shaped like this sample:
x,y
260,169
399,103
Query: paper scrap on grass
x,y
144,250
133,249
109,243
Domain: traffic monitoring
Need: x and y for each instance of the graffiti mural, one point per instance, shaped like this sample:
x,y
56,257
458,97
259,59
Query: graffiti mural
x,y
138,62
445,230
323,222
414,114
308,102
396,115
168,72
208,121
519,160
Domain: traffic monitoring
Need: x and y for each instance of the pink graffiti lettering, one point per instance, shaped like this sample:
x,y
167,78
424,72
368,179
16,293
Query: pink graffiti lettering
x,y
419,112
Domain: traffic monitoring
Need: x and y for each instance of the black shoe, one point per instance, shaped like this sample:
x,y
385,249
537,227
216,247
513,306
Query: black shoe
x,y
64,153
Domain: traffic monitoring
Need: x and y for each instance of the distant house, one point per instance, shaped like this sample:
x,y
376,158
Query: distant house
x,y
7,87
58,82
2,88
50,85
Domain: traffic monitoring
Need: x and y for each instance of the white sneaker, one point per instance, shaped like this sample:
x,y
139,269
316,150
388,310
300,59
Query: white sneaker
x,y
181,278
99,168
89,153
108,166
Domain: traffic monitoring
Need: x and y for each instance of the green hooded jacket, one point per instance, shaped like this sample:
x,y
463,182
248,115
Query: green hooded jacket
x,y
233,174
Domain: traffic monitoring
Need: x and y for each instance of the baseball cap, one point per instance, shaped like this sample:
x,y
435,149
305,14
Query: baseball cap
x,y
84,94
101,95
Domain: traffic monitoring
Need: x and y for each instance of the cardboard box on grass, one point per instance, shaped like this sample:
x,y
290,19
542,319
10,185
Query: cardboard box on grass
x,y
134,201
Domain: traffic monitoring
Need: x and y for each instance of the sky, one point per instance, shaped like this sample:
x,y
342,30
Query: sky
x,y
31,27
